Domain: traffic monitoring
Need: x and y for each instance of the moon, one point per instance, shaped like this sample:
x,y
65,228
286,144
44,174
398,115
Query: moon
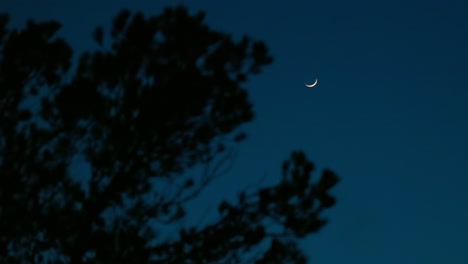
x,y
312,85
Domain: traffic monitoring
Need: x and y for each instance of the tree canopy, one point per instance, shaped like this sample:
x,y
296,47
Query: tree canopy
x,y
160,95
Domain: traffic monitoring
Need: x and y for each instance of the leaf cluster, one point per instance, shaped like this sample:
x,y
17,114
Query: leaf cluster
x,y
159,96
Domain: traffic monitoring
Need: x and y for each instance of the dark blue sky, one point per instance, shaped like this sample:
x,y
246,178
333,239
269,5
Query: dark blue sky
x,y
389,113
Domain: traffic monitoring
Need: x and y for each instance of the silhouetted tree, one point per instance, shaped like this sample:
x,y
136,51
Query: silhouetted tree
x,y
160,96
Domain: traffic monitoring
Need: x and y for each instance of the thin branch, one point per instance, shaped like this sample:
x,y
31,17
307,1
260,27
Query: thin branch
x,y
208,177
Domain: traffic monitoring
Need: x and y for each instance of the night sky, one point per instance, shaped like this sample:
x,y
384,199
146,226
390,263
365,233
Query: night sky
x,y
389,114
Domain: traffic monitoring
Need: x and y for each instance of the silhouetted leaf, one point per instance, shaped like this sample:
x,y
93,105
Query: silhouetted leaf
x,y
98,35
327,201
328,179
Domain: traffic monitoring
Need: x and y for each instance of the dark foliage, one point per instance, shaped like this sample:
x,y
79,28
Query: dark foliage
x,y
165,94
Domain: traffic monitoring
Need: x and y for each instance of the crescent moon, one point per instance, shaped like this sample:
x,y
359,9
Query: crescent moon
x,y
312,85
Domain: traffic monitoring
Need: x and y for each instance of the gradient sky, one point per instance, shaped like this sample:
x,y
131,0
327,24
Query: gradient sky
x,y
389,113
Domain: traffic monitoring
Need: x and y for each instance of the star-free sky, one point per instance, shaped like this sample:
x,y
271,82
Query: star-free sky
x,y
389,113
